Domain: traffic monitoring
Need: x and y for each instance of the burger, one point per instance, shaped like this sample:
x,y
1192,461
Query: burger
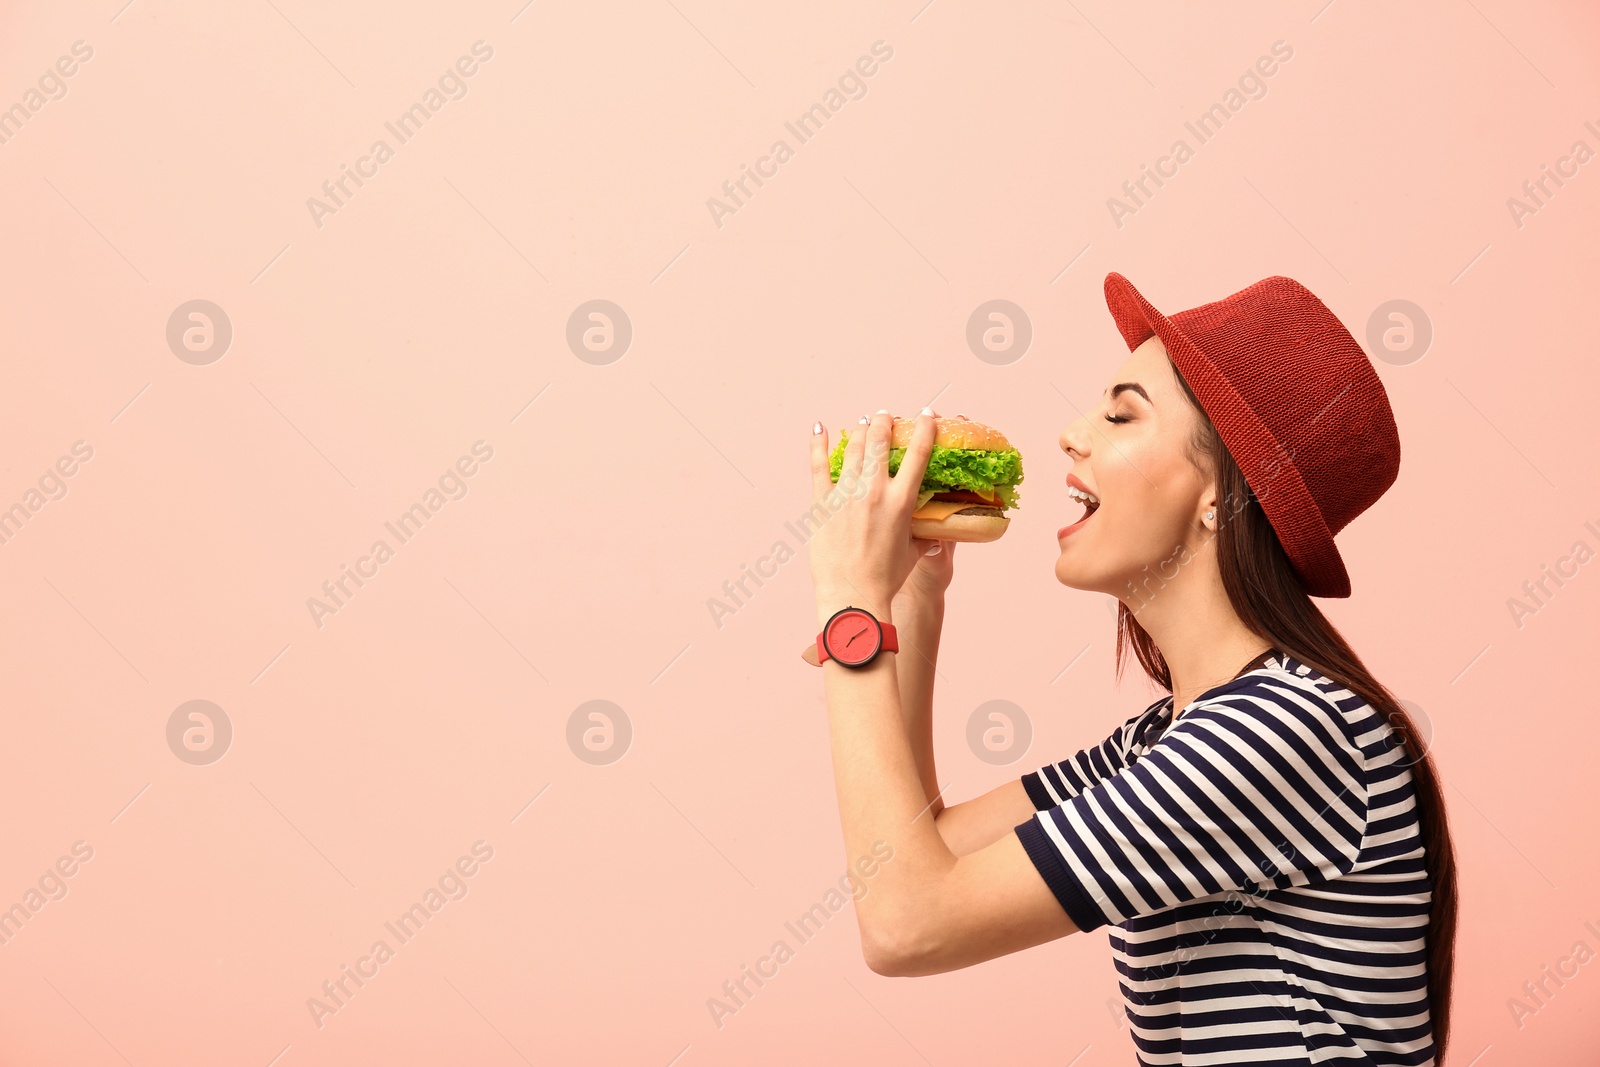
x,y
970,482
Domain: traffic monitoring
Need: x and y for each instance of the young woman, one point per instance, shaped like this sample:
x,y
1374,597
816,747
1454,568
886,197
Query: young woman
x,y
1267,846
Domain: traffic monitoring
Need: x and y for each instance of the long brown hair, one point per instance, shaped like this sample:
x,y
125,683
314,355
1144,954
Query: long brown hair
x,y
1269,599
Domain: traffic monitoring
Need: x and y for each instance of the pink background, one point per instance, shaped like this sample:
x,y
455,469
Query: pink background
x,y
370,352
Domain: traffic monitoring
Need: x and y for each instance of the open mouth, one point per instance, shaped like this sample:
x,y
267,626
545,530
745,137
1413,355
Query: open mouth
x,y
1089,508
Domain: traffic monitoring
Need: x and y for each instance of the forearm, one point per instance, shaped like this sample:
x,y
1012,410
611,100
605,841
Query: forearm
x,y
881,797
919,621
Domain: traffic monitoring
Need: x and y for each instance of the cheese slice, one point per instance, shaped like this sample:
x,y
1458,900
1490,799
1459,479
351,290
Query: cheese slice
x,y
943,509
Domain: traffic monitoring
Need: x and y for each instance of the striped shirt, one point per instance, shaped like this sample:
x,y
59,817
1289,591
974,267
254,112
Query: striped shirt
x,y
1259,866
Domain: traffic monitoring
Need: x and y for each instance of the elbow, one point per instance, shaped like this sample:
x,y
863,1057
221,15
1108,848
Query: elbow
x,y
884,960
879,962
905,932
898,952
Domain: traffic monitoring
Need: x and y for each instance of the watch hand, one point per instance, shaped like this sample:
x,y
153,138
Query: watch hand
x,y
852,640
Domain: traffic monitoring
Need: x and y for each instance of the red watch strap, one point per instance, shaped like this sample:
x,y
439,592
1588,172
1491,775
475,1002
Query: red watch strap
x,y
891,640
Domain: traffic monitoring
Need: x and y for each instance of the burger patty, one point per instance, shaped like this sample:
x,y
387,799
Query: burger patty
x,y
968,495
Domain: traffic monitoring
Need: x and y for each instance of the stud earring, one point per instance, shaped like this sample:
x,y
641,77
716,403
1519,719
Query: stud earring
x,y
1211,514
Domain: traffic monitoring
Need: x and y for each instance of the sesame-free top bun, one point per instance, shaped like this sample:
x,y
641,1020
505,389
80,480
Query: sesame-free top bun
x,y
952,433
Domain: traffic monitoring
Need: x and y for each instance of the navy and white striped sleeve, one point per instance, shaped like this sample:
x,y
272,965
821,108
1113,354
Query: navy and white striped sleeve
x,y
1261,785
1055,783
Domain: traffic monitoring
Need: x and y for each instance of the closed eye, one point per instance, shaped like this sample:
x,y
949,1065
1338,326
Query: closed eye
x,y
1117,418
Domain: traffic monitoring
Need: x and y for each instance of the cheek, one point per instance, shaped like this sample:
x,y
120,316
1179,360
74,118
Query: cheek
x,y
1152,515
1145,520
1144,477
1140,528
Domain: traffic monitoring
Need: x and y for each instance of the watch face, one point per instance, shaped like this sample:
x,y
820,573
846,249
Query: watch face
x,y
852,637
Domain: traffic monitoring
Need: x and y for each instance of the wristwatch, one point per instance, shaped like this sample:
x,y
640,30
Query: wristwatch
x,y
853,637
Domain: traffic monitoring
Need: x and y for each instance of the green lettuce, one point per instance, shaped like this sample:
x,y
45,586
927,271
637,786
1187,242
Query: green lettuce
x,y
953,468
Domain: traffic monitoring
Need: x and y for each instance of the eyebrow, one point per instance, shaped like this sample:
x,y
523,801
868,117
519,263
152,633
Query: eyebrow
x,y
1118,389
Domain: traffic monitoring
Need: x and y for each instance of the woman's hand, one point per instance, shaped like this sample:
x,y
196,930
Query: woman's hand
x,y
863,553
931,576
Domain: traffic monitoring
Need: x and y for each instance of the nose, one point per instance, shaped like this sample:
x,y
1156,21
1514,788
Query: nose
x,y
1075,438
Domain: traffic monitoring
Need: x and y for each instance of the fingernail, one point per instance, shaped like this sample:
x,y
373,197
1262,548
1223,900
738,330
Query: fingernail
x,y
883,411
816,428
927,411
865,421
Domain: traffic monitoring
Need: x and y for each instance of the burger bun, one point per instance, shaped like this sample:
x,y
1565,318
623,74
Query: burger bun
x,y
968,524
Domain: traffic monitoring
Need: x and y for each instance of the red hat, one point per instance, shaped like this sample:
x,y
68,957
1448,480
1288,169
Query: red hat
x,y
1296,401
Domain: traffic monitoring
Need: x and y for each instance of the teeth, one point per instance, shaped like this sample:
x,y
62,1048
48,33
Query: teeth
x,y
1078,494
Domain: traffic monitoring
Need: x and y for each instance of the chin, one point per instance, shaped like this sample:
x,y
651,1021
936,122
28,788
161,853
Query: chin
x,y
1071,577
1090,571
